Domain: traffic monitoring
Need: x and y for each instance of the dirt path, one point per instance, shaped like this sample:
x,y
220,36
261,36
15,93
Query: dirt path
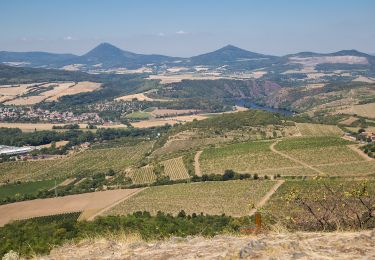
x,y
93,215
197,166
272,147
355,148
266,197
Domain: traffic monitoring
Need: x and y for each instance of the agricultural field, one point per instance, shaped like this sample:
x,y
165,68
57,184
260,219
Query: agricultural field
x,y
31,127
175,169
89,204
143,175
168,120
287,171
86,162
319,150
361,168
139,115
233,198
11,190
25,171
30,94
307,129
365,110
247,157
297,156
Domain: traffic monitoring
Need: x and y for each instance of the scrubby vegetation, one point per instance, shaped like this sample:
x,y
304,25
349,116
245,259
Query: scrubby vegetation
x,y
323,204
39,236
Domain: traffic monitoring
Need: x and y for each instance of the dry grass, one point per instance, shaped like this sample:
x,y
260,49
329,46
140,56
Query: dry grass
x,y
15,95
307,129
88,202
168,120
57,144
80,87
366,110
139,97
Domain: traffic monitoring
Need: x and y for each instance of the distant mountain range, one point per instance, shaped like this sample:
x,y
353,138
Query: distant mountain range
x,y
106,56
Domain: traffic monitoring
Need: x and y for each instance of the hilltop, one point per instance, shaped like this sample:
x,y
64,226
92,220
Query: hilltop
x,y
349,245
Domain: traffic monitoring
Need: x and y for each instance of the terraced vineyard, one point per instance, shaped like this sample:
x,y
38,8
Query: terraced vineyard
x,y
307,129
246,157
89,161
175,169
143,175
319,150
233,198
362,168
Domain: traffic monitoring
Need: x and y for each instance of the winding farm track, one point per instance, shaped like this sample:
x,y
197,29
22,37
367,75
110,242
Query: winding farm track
x,y
355,148
273,149
266,197
197,166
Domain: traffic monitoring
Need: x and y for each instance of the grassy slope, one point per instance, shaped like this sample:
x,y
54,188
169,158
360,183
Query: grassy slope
x,y
25,188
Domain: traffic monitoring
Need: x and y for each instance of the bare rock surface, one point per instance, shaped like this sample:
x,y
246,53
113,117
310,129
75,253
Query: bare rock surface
x,y
336,245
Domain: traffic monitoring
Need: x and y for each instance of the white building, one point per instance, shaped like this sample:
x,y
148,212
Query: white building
x,y
12,150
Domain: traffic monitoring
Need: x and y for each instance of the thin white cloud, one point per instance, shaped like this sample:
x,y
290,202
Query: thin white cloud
x,y
161,34
68,38
181,32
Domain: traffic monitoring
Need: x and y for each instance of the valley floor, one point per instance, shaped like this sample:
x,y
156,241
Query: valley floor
x,y
336,245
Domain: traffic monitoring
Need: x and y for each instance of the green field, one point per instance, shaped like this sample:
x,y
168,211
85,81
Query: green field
x,y
140,115
243,157
29,188
230,197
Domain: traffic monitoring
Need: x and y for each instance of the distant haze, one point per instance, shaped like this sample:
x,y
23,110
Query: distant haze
x,y
187,28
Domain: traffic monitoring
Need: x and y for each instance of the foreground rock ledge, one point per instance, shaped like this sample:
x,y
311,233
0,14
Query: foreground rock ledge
x,y
337,245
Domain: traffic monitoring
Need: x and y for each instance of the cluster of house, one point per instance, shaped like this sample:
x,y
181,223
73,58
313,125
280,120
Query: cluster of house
x,y
366,137
41,115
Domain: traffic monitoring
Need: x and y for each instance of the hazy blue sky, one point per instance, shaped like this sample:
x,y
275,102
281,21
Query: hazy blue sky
x,y
189,27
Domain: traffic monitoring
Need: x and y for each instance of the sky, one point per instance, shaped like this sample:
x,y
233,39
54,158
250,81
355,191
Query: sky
x,y
187,27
